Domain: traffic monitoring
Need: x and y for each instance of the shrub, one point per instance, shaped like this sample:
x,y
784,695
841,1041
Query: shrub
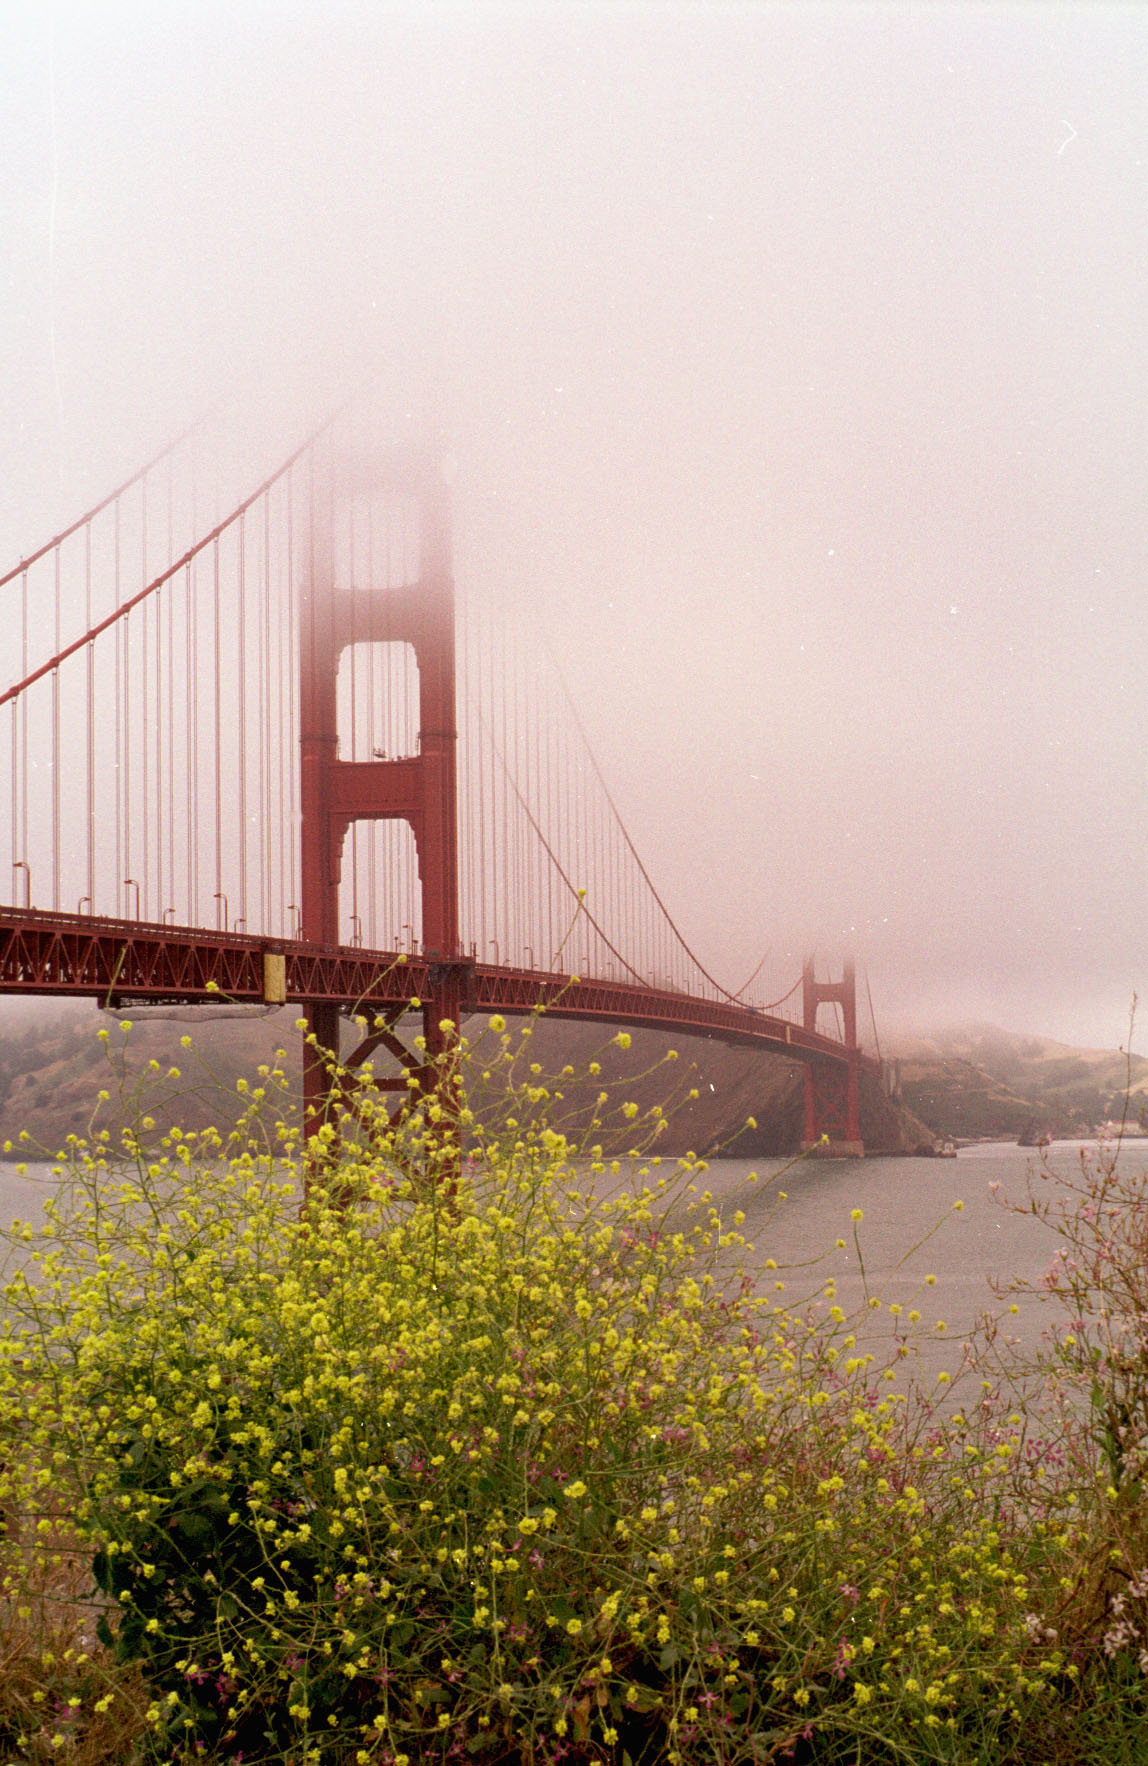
x,y
433,1440
57,1684
1096,1388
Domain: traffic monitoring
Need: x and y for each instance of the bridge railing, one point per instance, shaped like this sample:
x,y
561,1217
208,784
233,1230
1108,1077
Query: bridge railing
x,y
150,734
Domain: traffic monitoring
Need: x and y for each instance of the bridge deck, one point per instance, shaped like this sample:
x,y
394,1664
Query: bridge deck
x,y
121,961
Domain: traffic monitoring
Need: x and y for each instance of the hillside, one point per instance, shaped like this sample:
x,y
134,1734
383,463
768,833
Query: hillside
x,y
53,1065
976,1081
733,1084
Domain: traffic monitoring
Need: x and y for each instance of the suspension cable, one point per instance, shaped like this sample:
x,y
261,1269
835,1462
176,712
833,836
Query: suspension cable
x,y
106,503
553,856
734,998
193,552
872,1015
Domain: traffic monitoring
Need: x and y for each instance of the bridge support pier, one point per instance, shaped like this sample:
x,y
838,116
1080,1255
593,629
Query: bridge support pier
x,y
322,1018
832,1089
832,1108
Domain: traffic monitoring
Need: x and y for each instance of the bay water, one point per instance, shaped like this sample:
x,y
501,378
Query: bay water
x,y
910,1231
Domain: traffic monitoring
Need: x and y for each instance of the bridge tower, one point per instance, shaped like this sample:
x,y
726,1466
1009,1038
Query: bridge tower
x,y
419,788
832,1089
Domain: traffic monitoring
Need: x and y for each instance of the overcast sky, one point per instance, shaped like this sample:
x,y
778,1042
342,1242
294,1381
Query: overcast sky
x,y
794,361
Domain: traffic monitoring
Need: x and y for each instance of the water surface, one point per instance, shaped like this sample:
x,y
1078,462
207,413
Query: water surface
x,y
910,1231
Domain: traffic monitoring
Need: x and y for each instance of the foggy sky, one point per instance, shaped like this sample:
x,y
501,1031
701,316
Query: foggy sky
x,y
793,358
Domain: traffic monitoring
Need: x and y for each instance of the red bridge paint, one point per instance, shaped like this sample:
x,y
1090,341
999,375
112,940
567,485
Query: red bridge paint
x,y
162,632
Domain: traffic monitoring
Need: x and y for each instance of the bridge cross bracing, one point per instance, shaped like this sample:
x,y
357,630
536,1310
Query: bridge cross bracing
x,y
254,747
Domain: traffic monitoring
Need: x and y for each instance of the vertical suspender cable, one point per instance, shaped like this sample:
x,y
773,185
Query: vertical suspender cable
x,y
218,757
162,602
585,880
276,832
354,662
461,867
597,893
15,791
525,841
546,931
478,805
56,746
167,830
24,734
117,880
288,724
126,869
538,928
241,720
264,824
410,565
191,713
192,702
502,933
564,830
258,782
147,693
146,685
90,674
376,729
514,931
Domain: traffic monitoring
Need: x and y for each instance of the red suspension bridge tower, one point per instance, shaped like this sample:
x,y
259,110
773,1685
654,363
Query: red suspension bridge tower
x,y
419,789
178,709
833,1090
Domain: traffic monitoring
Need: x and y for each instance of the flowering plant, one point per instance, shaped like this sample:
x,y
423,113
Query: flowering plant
x,y
436,1438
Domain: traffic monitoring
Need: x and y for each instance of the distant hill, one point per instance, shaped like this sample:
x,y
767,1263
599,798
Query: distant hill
x,y
53,1066
976,1080
733,1084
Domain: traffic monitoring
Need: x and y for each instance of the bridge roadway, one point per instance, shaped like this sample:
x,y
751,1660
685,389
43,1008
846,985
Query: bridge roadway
x,y
123,962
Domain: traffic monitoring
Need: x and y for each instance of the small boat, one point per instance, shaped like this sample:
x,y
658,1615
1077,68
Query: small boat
x,y
945,1150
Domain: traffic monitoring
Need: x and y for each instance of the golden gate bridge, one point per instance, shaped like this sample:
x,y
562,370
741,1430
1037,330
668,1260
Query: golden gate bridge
x,y
263,754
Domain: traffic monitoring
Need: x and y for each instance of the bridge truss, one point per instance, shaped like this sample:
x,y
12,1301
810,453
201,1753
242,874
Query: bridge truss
x,y
273,716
